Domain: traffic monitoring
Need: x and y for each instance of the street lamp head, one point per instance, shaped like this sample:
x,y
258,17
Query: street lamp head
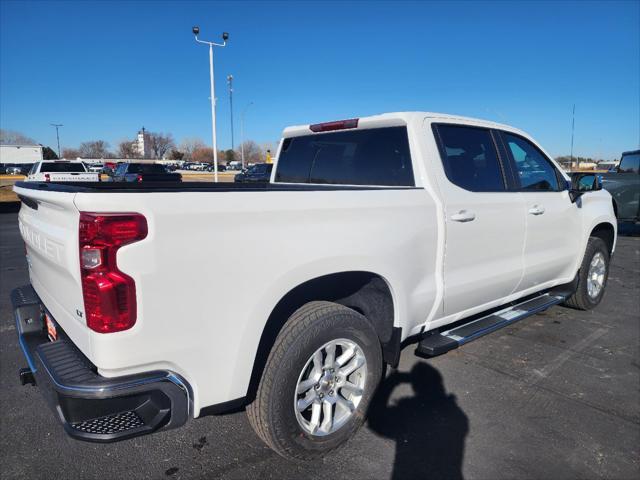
x,y
225,36
195,30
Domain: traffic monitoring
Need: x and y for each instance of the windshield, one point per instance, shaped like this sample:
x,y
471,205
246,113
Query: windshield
x,y
59,167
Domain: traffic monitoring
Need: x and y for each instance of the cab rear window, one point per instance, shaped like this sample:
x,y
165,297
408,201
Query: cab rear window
x,y
62,168
377,156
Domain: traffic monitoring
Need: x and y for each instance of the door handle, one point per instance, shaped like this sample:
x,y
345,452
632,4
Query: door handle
x,y
536,210
463,216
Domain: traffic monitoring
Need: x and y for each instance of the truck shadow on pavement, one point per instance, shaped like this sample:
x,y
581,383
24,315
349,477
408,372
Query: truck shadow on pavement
x,y
429,428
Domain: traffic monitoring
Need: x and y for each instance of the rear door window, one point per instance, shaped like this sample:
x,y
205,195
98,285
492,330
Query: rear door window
x,y
376,156
470,158
533,169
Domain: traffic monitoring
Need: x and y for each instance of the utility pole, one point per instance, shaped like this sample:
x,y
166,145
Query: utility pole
x,y
230,82
573,124
58,125
242,132
225,37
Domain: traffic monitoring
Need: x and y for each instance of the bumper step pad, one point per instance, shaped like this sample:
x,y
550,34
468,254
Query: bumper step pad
x,y
441,342
110,424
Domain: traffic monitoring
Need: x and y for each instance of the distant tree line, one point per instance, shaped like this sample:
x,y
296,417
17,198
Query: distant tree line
x,y
162,146
195,150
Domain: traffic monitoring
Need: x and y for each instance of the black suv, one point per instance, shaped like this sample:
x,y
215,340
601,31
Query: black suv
x,y
260,172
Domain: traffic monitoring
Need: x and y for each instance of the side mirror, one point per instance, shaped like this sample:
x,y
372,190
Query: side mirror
x,y
582,183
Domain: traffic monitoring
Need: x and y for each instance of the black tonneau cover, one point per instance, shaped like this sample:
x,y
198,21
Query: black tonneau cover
x,y
142,187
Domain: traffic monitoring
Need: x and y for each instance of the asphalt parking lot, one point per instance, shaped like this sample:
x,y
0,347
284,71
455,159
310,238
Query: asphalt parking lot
x,y
554,396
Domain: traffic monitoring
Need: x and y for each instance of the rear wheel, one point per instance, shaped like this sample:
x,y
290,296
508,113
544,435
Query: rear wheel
x,y
318,381
592,277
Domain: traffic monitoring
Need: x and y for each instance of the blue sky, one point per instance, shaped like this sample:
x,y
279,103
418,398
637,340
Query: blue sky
x,y
106,69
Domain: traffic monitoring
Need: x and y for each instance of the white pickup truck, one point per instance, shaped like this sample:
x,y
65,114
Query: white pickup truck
x,y
61,171
374,233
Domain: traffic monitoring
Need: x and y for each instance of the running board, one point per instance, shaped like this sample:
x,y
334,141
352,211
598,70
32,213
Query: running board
x,y
441,342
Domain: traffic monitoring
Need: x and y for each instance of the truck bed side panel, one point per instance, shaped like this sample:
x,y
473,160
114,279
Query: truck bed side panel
x,y
214,265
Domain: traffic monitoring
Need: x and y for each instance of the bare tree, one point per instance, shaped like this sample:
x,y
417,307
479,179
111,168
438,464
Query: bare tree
x,y
94,149
159,143
176,155
190,145
252,152
126,149
204,154
70,153
10,137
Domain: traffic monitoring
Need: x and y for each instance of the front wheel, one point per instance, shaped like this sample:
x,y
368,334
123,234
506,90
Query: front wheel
x,y
318,381
592,277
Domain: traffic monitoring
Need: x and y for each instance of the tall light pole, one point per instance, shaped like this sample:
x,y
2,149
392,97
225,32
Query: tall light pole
x,y
242,132
57,125
573,124
225,37
230,82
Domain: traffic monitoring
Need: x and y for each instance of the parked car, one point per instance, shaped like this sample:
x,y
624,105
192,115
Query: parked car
x,y
623,183
260,172
18,169
95,167
210,167
14,170
61,171
143,172
351,267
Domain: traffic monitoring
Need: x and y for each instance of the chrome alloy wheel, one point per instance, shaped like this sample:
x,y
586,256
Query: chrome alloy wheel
x,y
595,276
330,387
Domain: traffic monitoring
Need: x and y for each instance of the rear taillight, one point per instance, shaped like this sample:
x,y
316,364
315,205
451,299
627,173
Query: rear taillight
x,y
330,126
139,178
47,177
109,295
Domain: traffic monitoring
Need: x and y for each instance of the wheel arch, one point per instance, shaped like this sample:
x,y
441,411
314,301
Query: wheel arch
x,y
605,231
366,292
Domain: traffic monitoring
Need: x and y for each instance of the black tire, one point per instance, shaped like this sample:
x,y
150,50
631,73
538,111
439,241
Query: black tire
x,y
581,299
272,414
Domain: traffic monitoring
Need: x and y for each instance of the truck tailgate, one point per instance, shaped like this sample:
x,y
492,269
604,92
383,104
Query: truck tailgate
x,y
48,223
